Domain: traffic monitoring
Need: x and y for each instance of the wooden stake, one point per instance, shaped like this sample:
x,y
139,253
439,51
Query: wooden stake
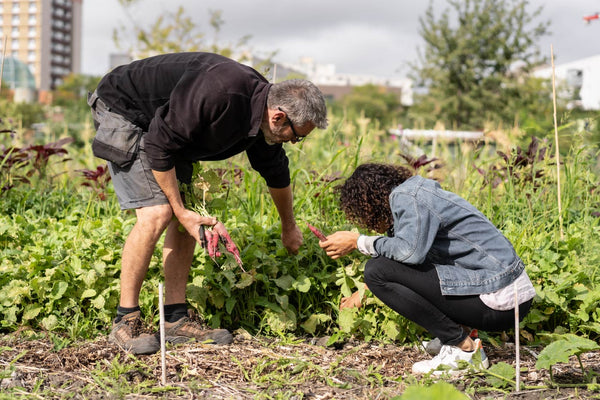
x,y
517,341
560,220
162,334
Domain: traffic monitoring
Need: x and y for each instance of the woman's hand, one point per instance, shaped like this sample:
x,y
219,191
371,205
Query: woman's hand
x,y
355,300
340,243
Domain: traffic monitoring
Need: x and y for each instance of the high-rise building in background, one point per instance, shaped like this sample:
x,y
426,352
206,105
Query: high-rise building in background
x,y
45,35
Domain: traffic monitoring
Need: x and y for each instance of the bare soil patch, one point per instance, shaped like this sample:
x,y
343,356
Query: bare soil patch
x,y
255,368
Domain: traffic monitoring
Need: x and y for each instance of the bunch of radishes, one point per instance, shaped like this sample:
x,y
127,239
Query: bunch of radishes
x,y
210,239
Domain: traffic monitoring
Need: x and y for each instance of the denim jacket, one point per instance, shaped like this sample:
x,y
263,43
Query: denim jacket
x,y
432,225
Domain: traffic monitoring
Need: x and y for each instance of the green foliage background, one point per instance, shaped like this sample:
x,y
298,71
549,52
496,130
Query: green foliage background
x,y
475,63
60,242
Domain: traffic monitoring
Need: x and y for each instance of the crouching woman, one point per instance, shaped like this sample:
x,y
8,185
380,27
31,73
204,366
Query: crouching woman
x,y
442,264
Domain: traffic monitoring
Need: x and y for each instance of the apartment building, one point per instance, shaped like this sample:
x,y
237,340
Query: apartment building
x,y
45,35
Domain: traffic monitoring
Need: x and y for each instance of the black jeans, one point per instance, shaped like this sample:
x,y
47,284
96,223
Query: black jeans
x,y
414,292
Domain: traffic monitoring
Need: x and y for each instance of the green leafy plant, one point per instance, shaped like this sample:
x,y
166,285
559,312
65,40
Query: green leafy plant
x,y
562,348
60,249
440,390
500,375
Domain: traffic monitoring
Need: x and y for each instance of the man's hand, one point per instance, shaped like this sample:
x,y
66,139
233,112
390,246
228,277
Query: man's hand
x,y
192,221
340,243
291,237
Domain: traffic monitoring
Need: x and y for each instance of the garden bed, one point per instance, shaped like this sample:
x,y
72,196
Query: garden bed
x,y
256,368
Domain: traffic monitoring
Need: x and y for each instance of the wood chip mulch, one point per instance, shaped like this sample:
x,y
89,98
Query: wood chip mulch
x,y
258,368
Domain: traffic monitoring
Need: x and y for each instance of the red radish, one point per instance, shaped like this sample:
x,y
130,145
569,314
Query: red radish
x,y
209,239
221,232
317,232
212,243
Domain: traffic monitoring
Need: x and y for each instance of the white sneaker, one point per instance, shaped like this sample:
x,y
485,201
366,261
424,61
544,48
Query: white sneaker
x,y
434,346
449,360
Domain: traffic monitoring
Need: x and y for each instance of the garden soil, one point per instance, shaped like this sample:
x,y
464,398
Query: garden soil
x,y
254,367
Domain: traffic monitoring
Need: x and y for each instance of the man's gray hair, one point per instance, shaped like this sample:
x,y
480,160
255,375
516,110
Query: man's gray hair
x,y
301,100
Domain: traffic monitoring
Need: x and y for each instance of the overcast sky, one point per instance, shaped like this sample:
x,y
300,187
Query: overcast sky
x,y
374,37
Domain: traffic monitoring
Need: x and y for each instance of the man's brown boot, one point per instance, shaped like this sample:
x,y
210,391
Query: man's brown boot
x,y
129,334
186,329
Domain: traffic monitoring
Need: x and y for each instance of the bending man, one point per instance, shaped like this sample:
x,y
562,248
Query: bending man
x,y
154,118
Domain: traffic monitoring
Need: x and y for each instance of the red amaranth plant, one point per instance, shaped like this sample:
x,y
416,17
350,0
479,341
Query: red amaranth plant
x,y
420,162
97,179
19,164
42,153
519,165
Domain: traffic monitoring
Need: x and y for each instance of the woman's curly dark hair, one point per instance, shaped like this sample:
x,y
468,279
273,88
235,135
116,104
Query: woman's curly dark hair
x,y
364,196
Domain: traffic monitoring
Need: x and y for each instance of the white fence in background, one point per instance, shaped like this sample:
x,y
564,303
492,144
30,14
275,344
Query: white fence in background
x,y
436,134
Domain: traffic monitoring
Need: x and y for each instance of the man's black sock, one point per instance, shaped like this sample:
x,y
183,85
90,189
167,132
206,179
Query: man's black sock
x,y
174,312
123,311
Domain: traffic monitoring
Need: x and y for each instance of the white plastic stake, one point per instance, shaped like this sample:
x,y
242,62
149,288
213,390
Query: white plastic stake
x,y
517,341
163,359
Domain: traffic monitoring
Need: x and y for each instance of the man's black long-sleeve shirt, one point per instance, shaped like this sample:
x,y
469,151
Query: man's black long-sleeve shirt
x,y
195,107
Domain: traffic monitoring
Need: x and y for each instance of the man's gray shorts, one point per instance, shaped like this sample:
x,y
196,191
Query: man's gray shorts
x,y
135,184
